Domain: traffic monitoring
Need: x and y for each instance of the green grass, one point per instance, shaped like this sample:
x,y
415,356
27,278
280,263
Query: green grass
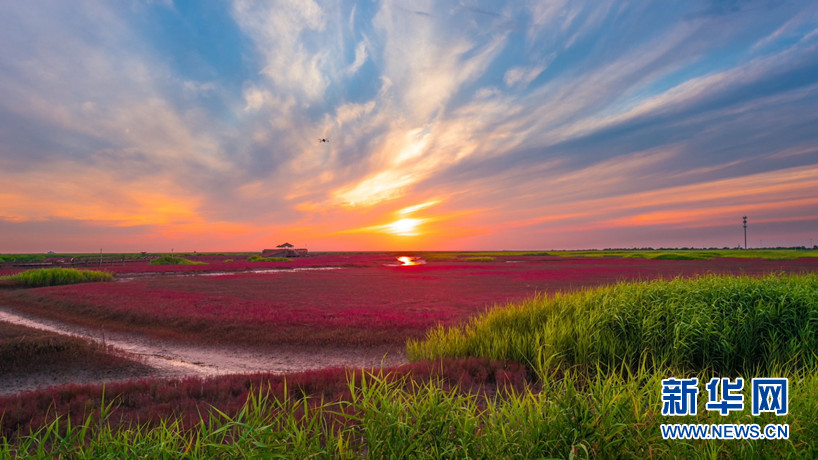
x,y
673,256
267,259
724,323
610,415
172,260
21,258
57,276
479,259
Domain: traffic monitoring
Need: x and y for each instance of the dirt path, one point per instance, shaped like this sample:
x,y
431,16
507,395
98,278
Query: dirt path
x,y
170,359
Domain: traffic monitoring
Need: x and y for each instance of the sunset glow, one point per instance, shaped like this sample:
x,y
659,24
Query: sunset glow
x,y
405,227
408,261
465,125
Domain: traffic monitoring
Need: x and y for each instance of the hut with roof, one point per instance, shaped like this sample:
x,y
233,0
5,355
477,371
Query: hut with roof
x,y
284,250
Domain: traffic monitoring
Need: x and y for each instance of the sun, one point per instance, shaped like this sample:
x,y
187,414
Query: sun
x,y
404,227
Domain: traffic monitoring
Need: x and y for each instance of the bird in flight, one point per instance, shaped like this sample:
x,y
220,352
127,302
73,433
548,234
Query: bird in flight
x,y
323,140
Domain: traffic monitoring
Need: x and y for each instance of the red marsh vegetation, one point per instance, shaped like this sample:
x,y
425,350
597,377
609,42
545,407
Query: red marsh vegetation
x,y
152,401
366,302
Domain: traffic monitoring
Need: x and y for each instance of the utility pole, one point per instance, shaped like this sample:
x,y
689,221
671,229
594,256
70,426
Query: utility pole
x,y
745,231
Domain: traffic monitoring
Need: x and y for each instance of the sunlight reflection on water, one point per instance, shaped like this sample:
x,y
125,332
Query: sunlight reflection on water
x,y
408,261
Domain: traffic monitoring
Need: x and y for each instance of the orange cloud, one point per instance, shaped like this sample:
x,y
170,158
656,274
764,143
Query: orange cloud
x,y
702,216
84,193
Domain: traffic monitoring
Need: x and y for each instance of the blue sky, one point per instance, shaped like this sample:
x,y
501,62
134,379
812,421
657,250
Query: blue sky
x,y
150,125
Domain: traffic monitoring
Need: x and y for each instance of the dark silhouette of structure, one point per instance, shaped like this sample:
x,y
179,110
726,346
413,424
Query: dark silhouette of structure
x,y
284,250
745,231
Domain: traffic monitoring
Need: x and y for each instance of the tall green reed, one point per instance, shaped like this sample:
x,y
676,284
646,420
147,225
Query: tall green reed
x,y
725,323
57,276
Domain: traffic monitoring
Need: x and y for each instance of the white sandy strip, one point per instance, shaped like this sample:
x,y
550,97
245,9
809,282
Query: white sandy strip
x,y
176,360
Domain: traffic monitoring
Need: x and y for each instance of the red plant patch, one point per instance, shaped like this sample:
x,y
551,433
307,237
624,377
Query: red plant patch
x,y
367,302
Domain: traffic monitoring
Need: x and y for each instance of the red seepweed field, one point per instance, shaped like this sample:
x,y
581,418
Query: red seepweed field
x,y
343,301
337,300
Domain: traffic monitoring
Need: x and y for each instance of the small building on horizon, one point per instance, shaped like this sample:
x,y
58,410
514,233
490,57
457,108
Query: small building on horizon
x,y
284,250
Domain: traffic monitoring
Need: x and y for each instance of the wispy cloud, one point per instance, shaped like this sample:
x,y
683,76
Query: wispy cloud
x,y
277,28
467,125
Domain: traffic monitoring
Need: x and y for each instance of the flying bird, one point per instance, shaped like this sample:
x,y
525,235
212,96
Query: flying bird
x,y
323,140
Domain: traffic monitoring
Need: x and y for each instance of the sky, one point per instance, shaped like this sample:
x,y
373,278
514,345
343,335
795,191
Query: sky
x,y
455,125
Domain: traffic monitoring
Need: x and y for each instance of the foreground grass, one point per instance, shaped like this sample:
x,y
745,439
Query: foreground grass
x,y
611,415
57,276
723,323
151,402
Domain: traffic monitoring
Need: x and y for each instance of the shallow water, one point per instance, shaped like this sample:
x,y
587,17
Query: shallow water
x,y
129,276
172,359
